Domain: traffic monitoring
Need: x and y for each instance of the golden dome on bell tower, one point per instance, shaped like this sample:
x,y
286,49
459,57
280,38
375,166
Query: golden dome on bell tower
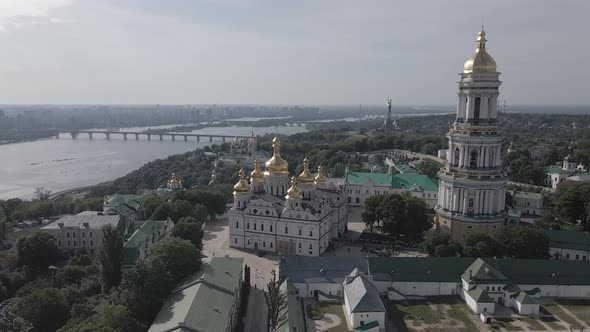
x,y
277,165
481,61
306,177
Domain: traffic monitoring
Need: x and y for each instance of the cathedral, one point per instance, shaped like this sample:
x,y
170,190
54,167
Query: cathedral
x,y
473,183
273,212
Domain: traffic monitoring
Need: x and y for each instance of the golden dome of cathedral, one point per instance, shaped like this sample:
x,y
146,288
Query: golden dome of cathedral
x,y
306,177
256,174
293,192
320,178
242,185
277,165
481,61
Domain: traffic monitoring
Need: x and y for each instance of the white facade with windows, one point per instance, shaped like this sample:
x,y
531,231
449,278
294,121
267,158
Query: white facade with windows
x,y
268,215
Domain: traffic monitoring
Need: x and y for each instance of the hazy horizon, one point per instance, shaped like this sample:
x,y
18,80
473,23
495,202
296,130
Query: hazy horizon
x,y
179,52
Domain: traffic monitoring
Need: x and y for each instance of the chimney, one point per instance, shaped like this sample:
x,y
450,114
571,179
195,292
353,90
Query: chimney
x,y
86,225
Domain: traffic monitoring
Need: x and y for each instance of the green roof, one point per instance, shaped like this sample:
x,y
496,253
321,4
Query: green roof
x,y
410,181
480,296
367,326
139,237
363,296
480,271
568,239
205,301
407,181
133,201
445,269
556,169
379,179
523,298
526,194
290,317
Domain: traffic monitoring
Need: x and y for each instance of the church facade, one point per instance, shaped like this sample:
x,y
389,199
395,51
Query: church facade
x,y
297,216
473,183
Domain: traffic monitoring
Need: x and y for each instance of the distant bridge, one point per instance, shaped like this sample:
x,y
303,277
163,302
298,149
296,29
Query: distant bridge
x,y
125,134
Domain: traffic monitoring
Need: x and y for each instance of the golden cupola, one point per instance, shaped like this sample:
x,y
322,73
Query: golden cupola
x,y
242,185
293,192
277,165
320,178
257,174
306,177
481,61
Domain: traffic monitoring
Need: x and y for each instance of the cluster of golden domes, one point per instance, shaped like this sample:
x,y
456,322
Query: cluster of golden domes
x,y
174,182
481,61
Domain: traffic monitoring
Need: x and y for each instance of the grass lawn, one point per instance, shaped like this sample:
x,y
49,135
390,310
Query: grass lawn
x,y
581,311
457,312
533,324
335,309
552,322
507,324
419,311
555,310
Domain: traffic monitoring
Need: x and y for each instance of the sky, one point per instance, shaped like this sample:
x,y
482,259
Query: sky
x,y
287,52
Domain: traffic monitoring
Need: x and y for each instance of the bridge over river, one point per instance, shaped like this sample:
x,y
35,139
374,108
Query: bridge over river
x,y
125,134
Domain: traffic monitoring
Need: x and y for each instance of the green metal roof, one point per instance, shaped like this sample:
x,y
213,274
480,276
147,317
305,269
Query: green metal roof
x,y
205,301
523,298
526,194
556,170
367,326
290,317
446,269
379,179
133,201
480,296
139,237
480,271
407,181
363,296
568,239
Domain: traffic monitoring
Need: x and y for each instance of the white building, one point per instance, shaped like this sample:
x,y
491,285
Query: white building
x,y
569,245
569,171
473,183
358,186
483,283
362,304
268,215
82,231
528,203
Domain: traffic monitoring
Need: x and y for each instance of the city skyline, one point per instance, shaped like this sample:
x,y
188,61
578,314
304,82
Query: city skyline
x,y
257,52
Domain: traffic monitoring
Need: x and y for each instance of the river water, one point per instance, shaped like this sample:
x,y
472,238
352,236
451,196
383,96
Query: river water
x,y
64,163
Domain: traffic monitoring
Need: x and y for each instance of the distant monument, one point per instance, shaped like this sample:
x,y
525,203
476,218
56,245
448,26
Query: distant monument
x,y
387,124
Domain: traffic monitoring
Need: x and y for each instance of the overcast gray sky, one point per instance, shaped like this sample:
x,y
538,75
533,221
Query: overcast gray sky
x,y
287,52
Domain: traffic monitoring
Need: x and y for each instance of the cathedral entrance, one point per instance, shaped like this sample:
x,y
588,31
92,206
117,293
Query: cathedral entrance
x,y
255,245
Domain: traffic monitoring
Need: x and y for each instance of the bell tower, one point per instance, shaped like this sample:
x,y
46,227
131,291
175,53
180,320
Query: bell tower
x,y
473,183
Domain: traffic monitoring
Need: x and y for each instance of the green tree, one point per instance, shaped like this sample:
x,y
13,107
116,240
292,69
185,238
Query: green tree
x,y
37,251
479,245
114,316
149,205
110,257
434,239
41,193
200,212
404,215
163,212
214,202
275,301
46,309
182,209
191,231
9,322
429,168
573,205
522,242
372,212
179,257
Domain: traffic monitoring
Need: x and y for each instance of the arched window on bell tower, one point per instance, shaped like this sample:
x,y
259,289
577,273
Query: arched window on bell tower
x,y
476,109
473,159
456,156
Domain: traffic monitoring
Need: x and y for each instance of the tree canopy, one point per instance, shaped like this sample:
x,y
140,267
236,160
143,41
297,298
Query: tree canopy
x,y
37,252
